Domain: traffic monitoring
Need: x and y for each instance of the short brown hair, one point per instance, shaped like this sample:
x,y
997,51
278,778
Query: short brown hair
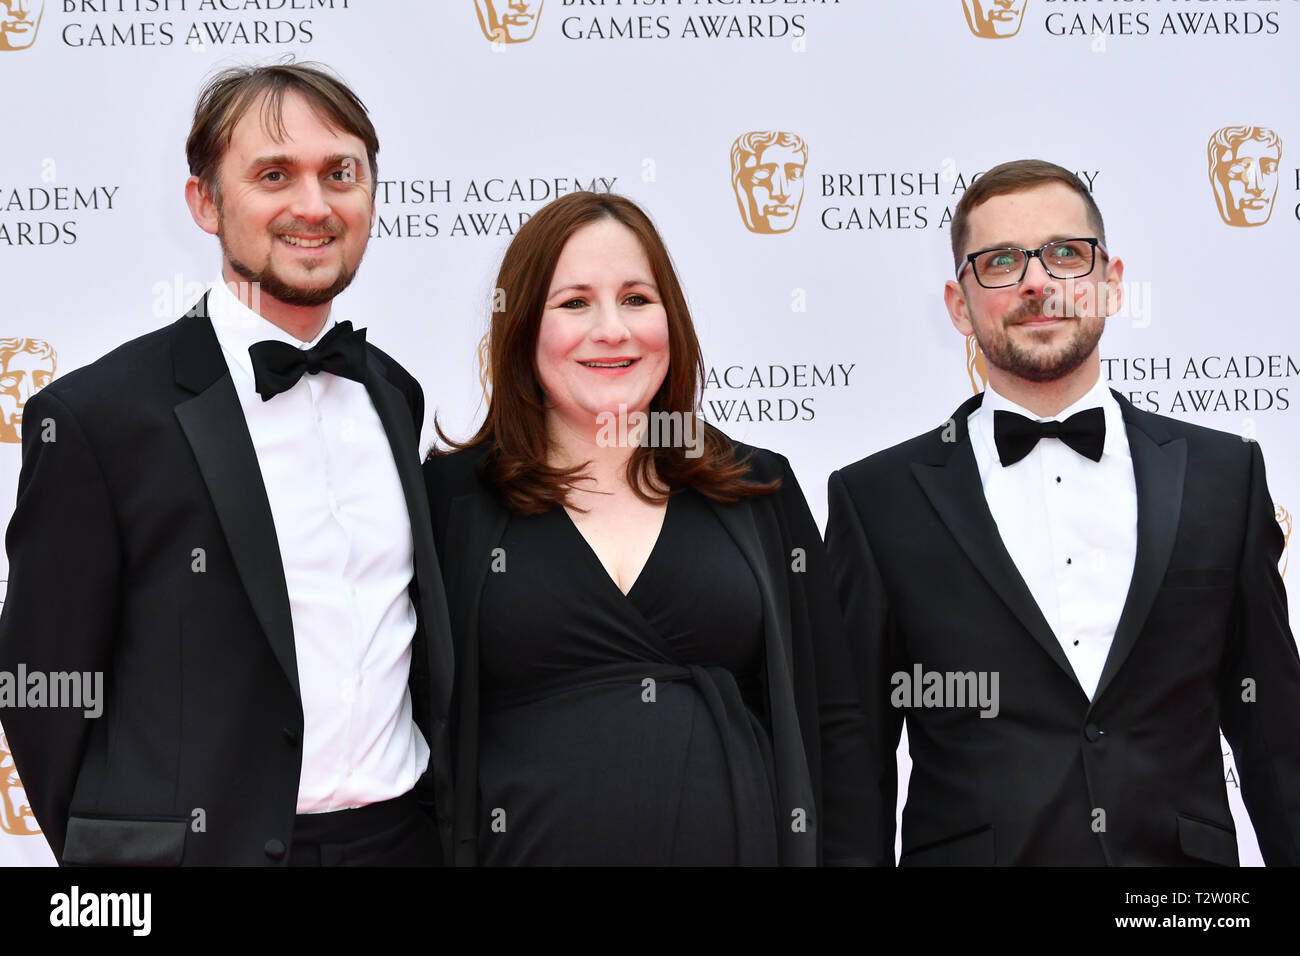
x,y
228,95
1013,177
515,427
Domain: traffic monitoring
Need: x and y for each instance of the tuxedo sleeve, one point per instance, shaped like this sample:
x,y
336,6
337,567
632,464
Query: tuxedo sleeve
x,y
873,649
845,770
1260,684
60,612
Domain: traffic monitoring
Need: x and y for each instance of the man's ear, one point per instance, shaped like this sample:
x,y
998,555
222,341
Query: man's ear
x,y
203,207
1114,286
954,297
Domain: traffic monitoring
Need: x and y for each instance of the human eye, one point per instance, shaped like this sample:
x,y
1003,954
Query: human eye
x,y
1000,259
273,176
1065,251
574,303
345,172
636,298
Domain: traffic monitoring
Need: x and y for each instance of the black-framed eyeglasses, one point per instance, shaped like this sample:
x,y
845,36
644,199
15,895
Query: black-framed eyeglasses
x,y
1062,258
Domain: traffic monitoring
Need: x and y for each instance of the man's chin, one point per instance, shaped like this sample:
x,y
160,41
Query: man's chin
x,y
270,283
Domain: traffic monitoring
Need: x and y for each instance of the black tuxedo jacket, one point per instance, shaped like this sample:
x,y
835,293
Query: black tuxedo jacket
x,y
143,546
1133,776
813,714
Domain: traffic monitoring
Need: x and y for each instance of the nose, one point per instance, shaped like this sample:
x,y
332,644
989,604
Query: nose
x,y
1036,280
780,185
519,6
1251,177
309,201
609,326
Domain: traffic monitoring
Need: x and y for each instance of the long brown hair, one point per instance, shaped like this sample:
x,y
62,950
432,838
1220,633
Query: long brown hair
x,y
515,431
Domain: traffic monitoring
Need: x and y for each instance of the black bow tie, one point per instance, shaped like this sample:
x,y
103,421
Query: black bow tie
x,y
1015,435
277,366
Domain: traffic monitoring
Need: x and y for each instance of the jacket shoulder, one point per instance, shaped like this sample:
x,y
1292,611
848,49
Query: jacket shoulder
x,y
452,474
889,462
1163,427
393,369
764,464
120,371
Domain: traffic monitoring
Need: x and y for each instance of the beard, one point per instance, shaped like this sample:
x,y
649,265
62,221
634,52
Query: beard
x,y
268,282
1040,363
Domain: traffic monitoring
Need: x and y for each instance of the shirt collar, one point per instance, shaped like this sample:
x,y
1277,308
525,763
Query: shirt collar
x,y
237,326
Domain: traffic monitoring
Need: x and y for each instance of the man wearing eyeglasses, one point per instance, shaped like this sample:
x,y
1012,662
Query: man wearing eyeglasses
x,y
1062,595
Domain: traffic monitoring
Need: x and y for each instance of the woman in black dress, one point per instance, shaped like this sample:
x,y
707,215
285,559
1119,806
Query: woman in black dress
x,y
650,663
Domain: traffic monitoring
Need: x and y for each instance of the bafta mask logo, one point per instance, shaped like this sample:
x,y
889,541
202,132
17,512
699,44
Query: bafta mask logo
x,y
767,177
1284,519
975,367
26,367
509,21
994,19
21,20
1244,163
15,815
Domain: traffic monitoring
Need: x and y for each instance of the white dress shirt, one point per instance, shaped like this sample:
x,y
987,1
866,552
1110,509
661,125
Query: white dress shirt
x,y
345,544
1069,524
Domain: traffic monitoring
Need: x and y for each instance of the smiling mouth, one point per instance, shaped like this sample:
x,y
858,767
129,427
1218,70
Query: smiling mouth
x,y
299,242
619,363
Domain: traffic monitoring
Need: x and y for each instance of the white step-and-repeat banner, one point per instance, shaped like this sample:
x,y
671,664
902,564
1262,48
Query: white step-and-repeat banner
x,y
816,288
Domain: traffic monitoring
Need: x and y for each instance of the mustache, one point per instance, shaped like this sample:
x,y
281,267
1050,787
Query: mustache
x,y
1029,310
294,227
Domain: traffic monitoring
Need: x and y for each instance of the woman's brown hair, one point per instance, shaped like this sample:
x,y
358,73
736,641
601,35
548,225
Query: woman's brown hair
x,y
515,431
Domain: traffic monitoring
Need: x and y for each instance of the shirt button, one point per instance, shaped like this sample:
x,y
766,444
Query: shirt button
x,y
274,849
1093,733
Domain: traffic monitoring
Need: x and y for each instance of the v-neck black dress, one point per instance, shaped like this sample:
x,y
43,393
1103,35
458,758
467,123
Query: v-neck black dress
x,y
623,729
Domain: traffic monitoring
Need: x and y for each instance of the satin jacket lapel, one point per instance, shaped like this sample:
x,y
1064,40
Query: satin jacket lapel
x,y
213,422
477,522
768,564
395,415
952,483
1159,466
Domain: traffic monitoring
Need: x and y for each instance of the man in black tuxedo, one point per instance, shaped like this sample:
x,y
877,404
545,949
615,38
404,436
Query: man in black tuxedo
x,y
226,518
1065,614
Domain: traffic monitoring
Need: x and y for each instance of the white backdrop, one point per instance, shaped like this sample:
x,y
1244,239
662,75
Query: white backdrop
x,y
827,340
